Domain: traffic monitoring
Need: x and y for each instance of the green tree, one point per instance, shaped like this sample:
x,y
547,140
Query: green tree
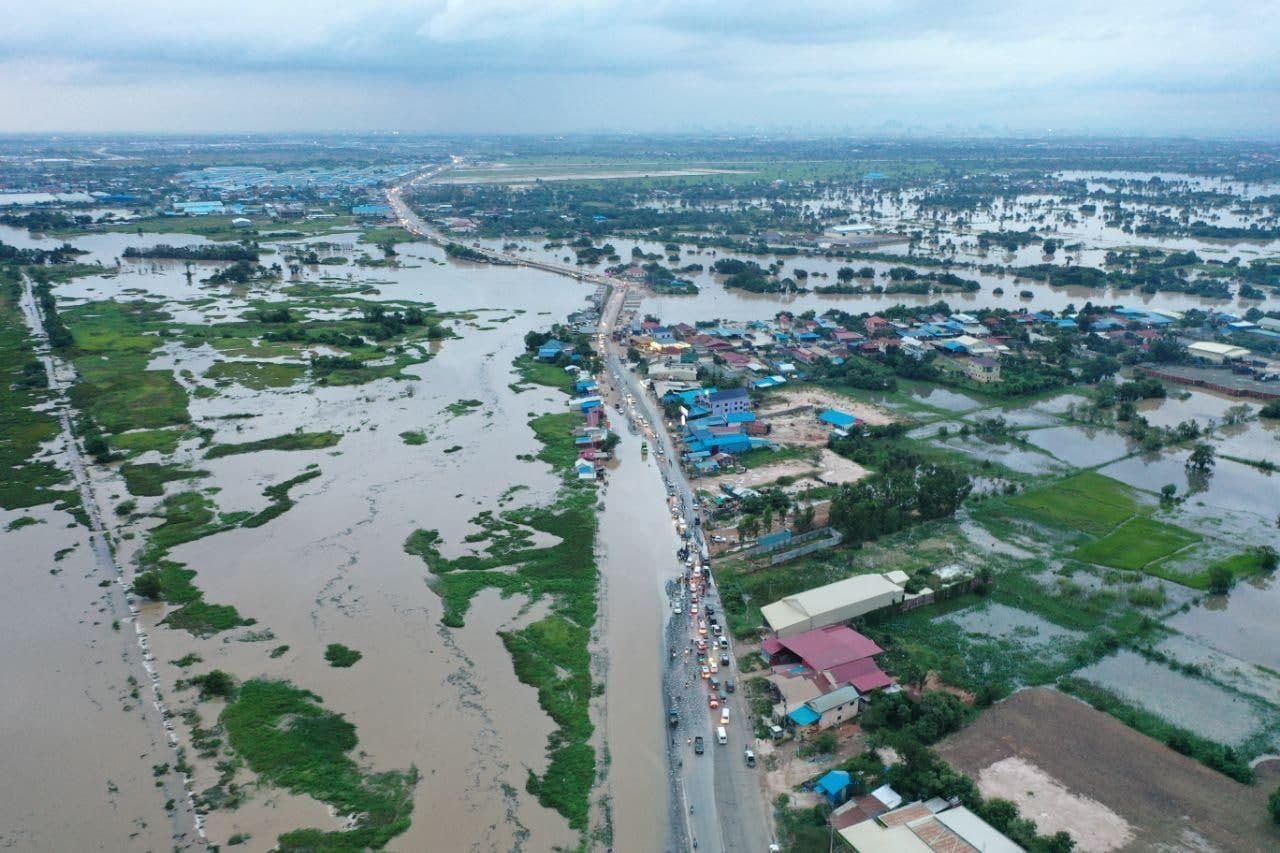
x,y
1221,580
1202,458
1273,806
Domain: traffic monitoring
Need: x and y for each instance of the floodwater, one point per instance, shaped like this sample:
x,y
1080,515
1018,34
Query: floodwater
x,y
82,778
1083,447
333,569
637,555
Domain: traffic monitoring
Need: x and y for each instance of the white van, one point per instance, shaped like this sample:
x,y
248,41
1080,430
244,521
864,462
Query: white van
x,y
724,716
722,737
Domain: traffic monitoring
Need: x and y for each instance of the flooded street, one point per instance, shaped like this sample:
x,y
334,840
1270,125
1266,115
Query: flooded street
x,y
637,547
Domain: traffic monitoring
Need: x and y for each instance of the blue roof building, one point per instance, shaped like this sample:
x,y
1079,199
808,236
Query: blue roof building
x,y
833,785
551,350
838,419
379,210
804,716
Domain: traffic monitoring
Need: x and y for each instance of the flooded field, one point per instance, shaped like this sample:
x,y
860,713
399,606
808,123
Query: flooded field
x,y
1191,703
333,569
1082,447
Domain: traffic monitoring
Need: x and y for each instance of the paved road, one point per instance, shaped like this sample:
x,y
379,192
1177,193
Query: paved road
x,y
729,811
729,808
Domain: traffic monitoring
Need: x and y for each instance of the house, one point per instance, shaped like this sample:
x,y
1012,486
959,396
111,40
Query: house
x,y
933,827
982,369
835,707
839,654
731,400
584,469
551,350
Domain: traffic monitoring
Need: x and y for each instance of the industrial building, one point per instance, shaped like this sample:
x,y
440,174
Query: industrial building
x,y
1215,352
831,604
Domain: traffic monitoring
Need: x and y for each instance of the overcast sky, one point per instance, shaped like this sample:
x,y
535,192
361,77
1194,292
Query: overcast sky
x,y
1104,66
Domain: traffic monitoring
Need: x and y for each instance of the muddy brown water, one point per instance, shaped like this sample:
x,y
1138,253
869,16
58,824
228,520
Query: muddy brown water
x,y
333,569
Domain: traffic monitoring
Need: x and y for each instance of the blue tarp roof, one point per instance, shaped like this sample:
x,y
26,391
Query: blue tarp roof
x,y
740,417
804,716
836,418
833,783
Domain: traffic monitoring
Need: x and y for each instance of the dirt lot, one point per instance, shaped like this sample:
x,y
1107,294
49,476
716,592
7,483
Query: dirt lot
x,y
1070,767
803,427
831,469
783,770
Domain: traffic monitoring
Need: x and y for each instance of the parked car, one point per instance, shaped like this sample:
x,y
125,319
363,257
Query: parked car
x,y
729,685
724,660
673,717
698,745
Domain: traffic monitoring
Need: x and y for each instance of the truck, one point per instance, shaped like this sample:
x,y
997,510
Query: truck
x,y
673,718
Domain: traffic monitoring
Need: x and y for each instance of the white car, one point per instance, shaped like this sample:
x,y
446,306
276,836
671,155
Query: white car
x,y
676,609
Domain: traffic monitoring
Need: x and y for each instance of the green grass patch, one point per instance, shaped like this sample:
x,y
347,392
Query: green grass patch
x,y
281,502
257,375
142,441
414,437
341,656
290,740
764,456
24,480
112,345
186,517
387,234
1088,502
1135,544
288,441
147,480
1246,564
534,372
461,407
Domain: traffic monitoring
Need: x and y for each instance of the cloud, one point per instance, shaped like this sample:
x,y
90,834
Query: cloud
x,y
658,63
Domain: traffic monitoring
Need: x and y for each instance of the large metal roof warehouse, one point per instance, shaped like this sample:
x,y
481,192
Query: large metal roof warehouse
x,y
830,604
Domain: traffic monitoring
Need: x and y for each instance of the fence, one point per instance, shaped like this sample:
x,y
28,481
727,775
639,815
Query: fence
x,y
762,549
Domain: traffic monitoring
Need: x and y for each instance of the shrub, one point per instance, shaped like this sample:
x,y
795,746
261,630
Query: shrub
x,y
149,585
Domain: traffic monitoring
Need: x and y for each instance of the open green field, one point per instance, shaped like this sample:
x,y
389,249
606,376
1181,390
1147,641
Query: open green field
x,y
112,345
1088,502
1135,544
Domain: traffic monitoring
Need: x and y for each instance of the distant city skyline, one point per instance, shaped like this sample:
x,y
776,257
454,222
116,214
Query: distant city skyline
x,y
546,66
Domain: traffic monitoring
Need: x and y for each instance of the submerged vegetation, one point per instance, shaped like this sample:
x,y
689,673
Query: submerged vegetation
x,y
289,739
551,654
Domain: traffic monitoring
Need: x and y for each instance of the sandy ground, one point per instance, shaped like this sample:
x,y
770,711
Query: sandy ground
x,y
831,468
1070,756
791,771
803,427
1040,797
